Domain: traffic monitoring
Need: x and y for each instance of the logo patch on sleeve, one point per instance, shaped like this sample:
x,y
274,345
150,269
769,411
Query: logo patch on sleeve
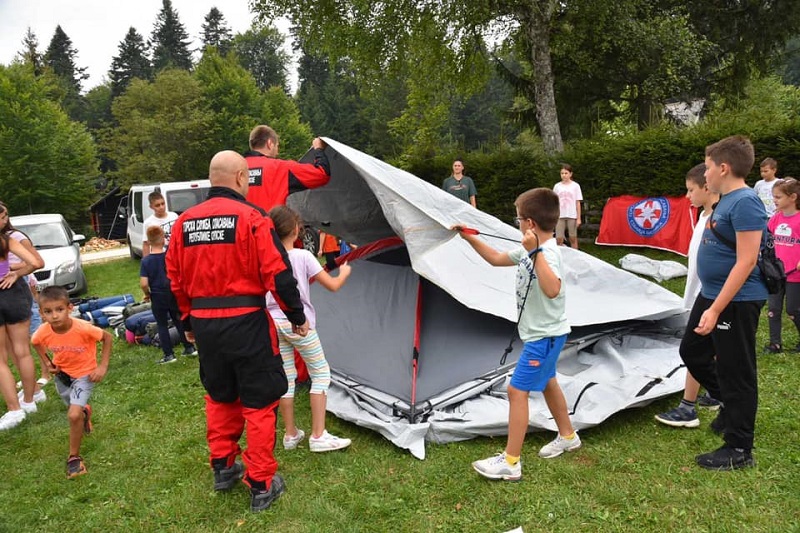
x,y
255,176
220,229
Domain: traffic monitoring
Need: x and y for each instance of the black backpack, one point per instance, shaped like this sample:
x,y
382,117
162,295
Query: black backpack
x,y
772,271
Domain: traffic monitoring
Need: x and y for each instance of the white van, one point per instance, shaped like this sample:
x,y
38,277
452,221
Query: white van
x,y
179,196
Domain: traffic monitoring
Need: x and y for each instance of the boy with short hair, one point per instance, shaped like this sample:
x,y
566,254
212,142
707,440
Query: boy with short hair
x,y
724,318
73,343
685,414
155,286
543,327
763,187
160,217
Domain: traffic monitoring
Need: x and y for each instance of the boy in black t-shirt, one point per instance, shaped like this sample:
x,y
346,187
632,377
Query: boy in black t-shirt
x,y
155,285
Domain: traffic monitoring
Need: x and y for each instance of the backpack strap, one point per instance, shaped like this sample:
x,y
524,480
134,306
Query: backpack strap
x,y
727,242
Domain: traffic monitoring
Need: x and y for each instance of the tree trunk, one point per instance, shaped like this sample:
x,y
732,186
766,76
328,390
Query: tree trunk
x,y
538,29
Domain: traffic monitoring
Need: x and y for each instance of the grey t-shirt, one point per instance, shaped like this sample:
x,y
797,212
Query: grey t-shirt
x,y
542,317
463,188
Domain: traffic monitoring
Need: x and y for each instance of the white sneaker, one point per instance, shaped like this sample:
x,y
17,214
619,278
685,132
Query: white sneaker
x,y
290,443
560,445
29,408
38,397
327,442
12,419
496,467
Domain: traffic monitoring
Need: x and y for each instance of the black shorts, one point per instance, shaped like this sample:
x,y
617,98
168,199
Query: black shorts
x,y
15,303
236,360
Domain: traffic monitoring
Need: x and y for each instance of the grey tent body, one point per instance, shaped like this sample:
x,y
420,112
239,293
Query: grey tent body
x,y
415,337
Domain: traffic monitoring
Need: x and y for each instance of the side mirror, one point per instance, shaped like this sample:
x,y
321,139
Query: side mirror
x,y
78,238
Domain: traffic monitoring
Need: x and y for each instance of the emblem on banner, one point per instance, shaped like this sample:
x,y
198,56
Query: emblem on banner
x,y
646,218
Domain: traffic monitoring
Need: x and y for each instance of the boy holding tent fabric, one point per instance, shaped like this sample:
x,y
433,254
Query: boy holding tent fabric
x,y
543,327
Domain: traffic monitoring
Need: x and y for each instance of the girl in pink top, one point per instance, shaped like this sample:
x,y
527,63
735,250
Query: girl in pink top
x,y
785,226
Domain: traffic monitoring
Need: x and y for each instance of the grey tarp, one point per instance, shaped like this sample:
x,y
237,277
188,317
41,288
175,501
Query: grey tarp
x,y
623,350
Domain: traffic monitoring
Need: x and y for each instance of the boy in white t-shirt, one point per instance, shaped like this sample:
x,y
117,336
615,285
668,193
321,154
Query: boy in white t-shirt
x,y
763,187
160,217
569,201
685,414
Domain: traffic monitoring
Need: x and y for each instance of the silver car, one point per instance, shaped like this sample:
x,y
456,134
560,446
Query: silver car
x,y
59,246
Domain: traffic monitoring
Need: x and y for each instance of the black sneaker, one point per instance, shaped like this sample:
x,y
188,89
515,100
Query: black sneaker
x,y
707,402
726,458
189,351
261,499
167,359
718,424
225,477
773,348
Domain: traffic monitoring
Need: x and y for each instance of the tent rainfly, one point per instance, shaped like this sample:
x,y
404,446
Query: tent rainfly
x,y
415,337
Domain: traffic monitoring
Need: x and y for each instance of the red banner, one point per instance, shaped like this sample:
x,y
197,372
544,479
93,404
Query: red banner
x,y
660,222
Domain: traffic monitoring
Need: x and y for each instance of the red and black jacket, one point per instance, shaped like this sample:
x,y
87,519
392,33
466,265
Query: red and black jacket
x,y
224,256
272,180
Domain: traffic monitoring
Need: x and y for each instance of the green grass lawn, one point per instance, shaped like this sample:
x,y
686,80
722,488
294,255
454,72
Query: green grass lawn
x,y
148,465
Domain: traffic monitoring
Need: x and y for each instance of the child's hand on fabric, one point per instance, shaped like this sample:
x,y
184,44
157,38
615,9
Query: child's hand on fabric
x,y
345,269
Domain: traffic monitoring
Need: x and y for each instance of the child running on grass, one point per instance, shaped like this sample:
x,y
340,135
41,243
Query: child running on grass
x,y
73,343
543,327
305,268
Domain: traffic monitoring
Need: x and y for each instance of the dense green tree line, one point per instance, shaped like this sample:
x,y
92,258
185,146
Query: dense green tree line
x,y
509,86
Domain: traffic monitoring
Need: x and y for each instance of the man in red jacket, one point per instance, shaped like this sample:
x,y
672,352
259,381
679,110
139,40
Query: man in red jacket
x,y
272,179
224,256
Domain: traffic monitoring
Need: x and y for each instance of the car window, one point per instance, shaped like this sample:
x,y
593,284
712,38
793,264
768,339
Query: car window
x,y
51,235
137,206
180,201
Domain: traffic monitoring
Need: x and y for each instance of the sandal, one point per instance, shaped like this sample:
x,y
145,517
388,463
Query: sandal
x,y
773,348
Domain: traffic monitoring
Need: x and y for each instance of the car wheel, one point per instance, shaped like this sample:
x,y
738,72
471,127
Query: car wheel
x,y
310,239
83,285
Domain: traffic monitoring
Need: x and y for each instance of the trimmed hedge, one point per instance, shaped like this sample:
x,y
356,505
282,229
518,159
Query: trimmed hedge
x,y
651,163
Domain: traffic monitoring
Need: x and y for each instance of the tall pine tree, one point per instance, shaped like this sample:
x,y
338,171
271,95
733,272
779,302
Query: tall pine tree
x,y
170,41
260,51
130,63
216,32
30,54
60,57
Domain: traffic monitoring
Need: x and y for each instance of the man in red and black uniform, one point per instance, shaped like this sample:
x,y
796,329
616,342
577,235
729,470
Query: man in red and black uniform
x,y
224,256
272,179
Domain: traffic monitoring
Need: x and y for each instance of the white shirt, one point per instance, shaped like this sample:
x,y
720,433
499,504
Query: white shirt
x,y
764,191
568,196
692,280
165,223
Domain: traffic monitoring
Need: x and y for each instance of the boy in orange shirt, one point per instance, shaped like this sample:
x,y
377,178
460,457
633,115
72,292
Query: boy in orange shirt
x,y
73,343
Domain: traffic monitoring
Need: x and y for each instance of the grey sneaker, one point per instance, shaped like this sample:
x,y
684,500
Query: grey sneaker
x,y
225,478
290,443
707,402
679,418
496,467
167,359
559,445
261,500
327,443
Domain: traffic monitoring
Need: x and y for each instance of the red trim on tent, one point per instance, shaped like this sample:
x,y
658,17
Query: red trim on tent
x,y
370,249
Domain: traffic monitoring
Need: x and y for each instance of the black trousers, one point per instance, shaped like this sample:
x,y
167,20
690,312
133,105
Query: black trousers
x,y
724,362
236,360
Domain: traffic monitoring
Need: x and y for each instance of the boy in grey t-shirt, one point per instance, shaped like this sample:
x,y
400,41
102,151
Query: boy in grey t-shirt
x,y
543,327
